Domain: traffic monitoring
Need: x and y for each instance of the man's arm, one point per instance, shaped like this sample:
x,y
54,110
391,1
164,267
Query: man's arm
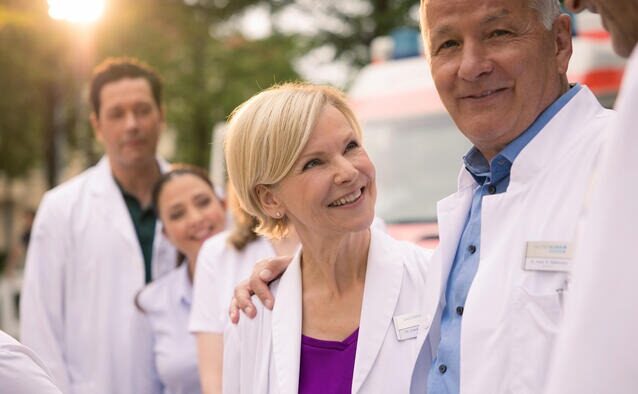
x,y
263,273
42,299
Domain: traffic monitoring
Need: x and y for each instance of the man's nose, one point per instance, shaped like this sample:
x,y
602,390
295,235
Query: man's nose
x,y
474,62
130,120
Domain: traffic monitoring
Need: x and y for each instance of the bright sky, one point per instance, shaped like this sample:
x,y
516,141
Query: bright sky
x,y
76,11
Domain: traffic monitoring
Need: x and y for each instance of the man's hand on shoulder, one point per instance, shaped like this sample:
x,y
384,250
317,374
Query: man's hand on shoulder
x,y
264,272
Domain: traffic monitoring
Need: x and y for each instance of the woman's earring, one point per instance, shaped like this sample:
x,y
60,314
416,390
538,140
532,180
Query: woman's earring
x,y
278,215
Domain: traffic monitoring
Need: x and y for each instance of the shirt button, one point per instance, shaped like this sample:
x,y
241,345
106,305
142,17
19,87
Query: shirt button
x,y
442,368
471,249
459,310
491,189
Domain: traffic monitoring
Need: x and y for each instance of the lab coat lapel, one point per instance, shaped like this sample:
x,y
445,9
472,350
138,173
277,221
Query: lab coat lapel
x,y
452,213
557,139
164,253
110,203
286,328
384,274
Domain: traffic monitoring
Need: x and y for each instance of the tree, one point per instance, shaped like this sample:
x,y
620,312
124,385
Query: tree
x,y
33,104
205,75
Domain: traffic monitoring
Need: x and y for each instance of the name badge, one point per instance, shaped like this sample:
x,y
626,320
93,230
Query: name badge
x,y
548,256
407,326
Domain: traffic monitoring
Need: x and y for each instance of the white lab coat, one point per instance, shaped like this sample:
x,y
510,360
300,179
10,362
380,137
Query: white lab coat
x,y
597,350
21,371
84,267
219,267
262,355
166,303
511,315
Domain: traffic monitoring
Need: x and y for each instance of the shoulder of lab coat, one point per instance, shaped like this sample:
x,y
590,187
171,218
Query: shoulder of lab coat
x,y
265,352
543,201
219,267
88,200
21,371
597,351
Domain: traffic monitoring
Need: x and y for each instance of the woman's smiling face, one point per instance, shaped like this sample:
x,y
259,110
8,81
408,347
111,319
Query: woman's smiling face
x,y
331,187
190,212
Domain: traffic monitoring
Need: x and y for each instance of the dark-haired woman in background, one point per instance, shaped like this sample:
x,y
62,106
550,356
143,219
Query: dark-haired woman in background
x,y
191,212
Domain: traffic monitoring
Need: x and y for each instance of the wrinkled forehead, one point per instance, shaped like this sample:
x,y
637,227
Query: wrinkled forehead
x,y
442,15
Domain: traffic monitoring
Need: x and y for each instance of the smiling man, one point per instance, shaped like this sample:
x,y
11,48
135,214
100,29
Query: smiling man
x,y
500,69
597,351
95,243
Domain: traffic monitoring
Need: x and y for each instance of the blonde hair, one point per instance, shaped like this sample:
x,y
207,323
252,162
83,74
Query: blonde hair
x,y
267,133
243,231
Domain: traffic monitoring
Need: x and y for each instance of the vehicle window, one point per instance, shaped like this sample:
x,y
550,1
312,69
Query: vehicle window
x,y
417,162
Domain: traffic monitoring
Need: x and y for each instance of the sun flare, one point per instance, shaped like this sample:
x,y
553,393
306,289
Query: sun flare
x,y
76,11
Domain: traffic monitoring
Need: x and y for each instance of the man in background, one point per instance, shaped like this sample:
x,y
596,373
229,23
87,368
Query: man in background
x,y
96,241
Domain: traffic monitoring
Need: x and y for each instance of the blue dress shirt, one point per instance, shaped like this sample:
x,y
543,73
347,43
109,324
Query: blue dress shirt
x,y
492,178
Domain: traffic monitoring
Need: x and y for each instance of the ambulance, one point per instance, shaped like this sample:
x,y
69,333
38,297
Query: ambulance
x,y
415,145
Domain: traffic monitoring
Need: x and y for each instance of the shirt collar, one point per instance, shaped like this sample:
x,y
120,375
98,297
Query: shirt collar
x,y
499,168
184,285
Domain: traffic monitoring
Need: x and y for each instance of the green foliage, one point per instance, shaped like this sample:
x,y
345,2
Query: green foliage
x,y
351,31
46,65
31,75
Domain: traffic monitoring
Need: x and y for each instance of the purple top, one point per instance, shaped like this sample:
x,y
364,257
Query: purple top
x,y
327,366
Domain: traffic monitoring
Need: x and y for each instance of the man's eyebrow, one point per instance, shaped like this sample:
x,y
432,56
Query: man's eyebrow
x,y
504,12
441,30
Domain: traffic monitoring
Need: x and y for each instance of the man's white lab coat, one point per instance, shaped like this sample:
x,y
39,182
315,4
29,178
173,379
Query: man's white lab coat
x,y
84,267
512,314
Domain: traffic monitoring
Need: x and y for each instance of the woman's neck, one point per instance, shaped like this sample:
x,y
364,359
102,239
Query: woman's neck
x,y
190,262
286,246
337,263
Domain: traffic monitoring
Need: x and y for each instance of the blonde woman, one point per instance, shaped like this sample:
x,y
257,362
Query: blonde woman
x,y
223,261
354,306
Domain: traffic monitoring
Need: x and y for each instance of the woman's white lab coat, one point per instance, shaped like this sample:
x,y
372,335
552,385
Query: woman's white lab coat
x,y
84,267
513,311
262,355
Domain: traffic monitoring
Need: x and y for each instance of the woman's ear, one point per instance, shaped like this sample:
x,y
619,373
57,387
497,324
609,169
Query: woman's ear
x,y
269,202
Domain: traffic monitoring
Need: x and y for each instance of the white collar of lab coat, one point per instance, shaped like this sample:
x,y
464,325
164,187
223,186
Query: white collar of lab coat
x,y
110,202
384,274
551,144
105,182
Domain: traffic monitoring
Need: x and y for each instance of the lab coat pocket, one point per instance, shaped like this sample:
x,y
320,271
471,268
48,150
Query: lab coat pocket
x,y
535,318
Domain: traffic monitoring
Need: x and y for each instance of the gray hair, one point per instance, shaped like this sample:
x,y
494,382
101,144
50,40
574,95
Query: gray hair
x,y
548,11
